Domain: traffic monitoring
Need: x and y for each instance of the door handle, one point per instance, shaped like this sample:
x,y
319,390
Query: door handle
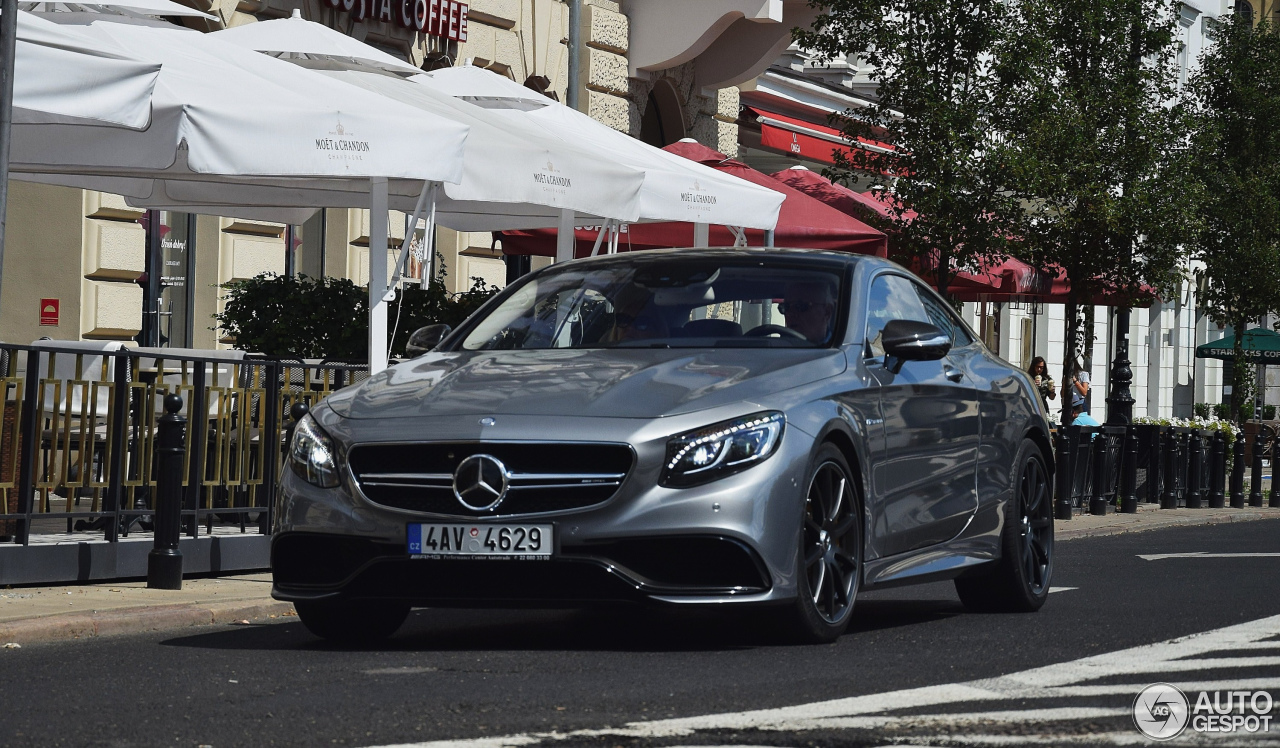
x,y
952,373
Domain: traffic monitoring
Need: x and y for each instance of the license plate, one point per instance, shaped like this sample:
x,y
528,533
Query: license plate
x,y
520,542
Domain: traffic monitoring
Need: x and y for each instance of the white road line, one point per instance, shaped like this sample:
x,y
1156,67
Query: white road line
x,y
1061,589
1203,554
1061,680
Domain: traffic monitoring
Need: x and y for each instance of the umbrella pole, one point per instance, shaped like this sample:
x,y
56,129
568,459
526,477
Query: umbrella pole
x,y
8,47
377,274
411,225
564,236
595,249
701,235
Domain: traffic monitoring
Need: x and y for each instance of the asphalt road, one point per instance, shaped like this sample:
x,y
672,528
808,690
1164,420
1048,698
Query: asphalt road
x,y
462,675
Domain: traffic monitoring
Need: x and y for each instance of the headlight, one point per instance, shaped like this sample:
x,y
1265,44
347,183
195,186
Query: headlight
x,y
312,455
722,449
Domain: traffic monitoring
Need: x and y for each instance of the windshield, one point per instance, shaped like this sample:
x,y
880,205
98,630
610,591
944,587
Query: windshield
x,y
672,304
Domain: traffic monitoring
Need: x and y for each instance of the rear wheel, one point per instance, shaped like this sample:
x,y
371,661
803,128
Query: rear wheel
x,y
1019,581
352,623
830,552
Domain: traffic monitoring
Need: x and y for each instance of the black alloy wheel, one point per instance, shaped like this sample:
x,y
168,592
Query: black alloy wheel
x,y
1019,581
830,554
1035,526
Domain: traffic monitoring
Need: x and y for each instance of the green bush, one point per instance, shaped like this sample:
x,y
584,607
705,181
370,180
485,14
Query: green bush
x,y
304,317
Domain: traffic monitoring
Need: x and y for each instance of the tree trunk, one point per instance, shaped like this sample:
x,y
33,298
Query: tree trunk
x,y
1069,355
943,274
1237,366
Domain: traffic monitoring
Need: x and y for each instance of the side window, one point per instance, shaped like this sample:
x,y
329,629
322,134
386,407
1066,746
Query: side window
x,y
892,297
944,318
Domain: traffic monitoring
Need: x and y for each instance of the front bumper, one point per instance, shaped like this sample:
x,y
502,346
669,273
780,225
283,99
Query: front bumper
x,y
729,541
314,567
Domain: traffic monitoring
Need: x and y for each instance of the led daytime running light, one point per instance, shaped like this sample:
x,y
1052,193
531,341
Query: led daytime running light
x,y
719,450
717,436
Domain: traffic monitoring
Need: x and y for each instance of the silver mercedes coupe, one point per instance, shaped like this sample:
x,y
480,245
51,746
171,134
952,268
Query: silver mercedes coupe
x,y
773,430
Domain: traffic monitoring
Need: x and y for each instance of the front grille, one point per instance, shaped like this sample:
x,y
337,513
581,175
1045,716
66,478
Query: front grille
x,y
544,477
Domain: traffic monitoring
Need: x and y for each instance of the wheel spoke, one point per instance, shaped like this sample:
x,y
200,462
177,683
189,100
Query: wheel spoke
x,y
837,497
816,587
839,584
813,556
843,558
839,531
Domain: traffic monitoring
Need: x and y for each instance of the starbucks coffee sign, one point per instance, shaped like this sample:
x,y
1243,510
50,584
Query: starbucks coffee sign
x,y
443,18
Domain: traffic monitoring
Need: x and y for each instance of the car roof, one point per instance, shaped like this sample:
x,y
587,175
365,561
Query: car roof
x,y
720,253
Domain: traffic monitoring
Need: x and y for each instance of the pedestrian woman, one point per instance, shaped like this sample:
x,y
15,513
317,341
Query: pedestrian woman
x,y
1039,372
1080,382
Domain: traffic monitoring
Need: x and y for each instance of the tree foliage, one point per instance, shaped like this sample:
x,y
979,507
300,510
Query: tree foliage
x,y
303,317
1094,145
1235,158
938,95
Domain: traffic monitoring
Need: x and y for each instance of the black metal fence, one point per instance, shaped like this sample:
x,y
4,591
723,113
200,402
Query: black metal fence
x,y
78,436
1114,468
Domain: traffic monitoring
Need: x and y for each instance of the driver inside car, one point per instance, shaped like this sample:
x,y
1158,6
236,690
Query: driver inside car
x,y
809,309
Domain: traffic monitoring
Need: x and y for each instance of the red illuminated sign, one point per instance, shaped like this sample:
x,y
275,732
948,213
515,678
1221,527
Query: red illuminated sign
x,y
443,18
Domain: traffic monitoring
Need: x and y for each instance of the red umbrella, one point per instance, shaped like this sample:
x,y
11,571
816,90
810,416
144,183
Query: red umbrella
x,y
837,196
802,222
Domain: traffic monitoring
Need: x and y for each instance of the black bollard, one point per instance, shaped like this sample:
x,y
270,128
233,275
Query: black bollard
x,y
1129,478
1255,480
1169,498
296,412
1217,470
1195,470
1062,479
164,562
1237,472
1097,499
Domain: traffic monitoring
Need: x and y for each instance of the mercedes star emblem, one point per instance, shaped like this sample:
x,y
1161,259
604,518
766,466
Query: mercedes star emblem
x,y
481,482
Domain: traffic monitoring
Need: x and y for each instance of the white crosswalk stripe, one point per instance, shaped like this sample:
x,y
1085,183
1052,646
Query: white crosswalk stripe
x,y
963,714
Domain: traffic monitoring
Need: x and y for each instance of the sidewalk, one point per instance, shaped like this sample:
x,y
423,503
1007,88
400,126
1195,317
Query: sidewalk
x,y
43,614
1152,517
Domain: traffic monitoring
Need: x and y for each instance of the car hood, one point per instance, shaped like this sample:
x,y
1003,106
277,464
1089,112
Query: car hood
x,y
604,383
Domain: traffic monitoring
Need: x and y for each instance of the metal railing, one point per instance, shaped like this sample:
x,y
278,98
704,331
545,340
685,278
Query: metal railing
x,y
1117,467
78,435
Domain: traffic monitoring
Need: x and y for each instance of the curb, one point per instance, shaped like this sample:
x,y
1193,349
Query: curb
x,y
136,620
1158,524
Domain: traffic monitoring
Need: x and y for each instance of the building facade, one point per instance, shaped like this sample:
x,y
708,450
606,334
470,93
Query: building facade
x,y
85,265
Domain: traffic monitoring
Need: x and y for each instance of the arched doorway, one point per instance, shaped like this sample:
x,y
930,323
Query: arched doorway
x,y
662,122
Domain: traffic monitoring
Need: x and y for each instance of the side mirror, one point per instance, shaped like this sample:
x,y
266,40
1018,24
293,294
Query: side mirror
x,y
424,339
908,340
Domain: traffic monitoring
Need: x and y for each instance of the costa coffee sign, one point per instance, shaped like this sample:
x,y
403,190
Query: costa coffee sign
x,y
444,18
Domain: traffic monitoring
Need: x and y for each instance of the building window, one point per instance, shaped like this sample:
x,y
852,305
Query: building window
x,y
1244,9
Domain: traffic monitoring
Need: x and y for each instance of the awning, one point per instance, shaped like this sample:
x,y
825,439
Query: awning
x,y
802,223
810,140
1261,346
674,189
63,76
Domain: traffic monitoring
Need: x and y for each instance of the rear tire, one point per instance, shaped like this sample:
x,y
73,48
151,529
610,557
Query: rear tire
x,y
352,623
829,557
1019,581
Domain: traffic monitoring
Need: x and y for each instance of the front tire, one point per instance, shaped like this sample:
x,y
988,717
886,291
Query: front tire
x,y
1019,581
829,558
351,623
